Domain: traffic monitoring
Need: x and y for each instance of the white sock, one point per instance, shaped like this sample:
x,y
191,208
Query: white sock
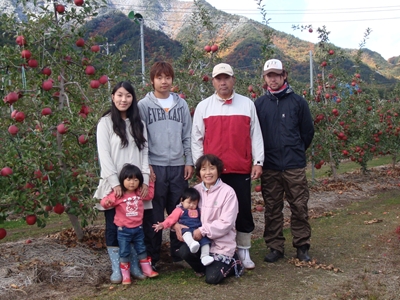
x,y
192,244
205,257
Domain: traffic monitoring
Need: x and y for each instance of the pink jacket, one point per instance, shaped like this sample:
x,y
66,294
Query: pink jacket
x,y
129,208
219,209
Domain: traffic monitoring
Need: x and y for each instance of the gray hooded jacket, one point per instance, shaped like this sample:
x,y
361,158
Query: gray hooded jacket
x,y
168,133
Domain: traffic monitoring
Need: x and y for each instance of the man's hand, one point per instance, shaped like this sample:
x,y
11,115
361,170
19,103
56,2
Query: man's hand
x,y
256,172
189,170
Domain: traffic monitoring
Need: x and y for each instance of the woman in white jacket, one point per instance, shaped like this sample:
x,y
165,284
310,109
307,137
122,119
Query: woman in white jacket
x,y
121,139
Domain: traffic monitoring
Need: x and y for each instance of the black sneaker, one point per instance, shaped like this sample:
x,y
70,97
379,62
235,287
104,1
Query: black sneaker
x,y
273,256
302,253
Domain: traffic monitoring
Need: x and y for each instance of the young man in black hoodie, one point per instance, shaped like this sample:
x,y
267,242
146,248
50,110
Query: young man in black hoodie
x,y
287,129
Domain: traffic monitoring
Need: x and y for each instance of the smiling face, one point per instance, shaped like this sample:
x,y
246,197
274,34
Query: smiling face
x,y
122,100
275,81
208,174
223,85
131,184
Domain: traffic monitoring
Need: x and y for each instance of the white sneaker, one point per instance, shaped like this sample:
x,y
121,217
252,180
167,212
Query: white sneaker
x,y
207,260
194,247
244,256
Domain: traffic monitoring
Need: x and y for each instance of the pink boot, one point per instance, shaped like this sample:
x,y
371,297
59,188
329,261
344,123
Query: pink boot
x,y
125,271
147,270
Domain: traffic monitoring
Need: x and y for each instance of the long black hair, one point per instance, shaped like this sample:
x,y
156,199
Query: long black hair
x,y
132,114
130,171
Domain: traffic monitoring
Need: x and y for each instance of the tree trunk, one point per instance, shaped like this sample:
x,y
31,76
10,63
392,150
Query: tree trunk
x,y
77,226
394,159
333,166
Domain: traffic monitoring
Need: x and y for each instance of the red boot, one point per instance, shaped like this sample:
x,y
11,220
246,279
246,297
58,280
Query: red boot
x,y
125,271
147,270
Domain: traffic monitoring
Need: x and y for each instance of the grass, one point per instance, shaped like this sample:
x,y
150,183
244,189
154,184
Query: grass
x,y
347,166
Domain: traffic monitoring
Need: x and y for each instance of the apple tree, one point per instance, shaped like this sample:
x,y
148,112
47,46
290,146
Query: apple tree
x,y
55,84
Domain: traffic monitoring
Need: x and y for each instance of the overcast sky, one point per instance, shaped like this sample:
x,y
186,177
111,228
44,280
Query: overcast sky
x,y
346,20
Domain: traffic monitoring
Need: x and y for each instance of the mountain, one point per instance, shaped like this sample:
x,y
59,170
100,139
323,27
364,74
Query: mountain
x,y
167,25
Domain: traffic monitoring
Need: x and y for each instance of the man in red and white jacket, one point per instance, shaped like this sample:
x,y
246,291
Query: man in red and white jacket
x,y
226,125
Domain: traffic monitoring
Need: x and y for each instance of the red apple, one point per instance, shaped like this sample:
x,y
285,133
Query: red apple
x,y
3,233
26,54
207,48
46,71
28,241
30,219
90,70
310,30
259,207
191,72
206,78
214,48
29,185
250,88
85,61
60,8
331,52
61,128
46,111
68,59
59,208
78,2
83,139
73,198
257,188
324,64
33,63
13,130
19,116
47,85
6,171
95,48
48,208
253,95
20,40
37,174
103,79
94,84
80,42
11,98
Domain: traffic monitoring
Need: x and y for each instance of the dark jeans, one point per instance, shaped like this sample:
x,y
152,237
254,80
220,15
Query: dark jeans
x,y
111,228
169,187
241,183
126,236
293,185
216,271
148,222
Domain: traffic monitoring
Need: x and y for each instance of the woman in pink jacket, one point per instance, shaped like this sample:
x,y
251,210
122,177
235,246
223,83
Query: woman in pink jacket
x,y
219,209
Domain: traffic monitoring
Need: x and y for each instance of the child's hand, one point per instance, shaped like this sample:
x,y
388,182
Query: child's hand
x,y
108,203
157,227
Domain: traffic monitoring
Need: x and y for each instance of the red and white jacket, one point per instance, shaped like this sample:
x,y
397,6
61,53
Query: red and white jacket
x,y
230,131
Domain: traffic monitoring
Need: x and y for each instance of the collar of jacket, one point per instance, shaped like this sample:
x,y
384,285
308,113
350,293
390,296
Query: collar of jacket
x,y
281,94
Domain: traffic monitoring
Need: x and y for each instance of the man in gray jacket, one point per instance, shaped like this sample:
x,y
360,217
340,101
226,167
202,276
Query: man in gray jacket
x,y
168,122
